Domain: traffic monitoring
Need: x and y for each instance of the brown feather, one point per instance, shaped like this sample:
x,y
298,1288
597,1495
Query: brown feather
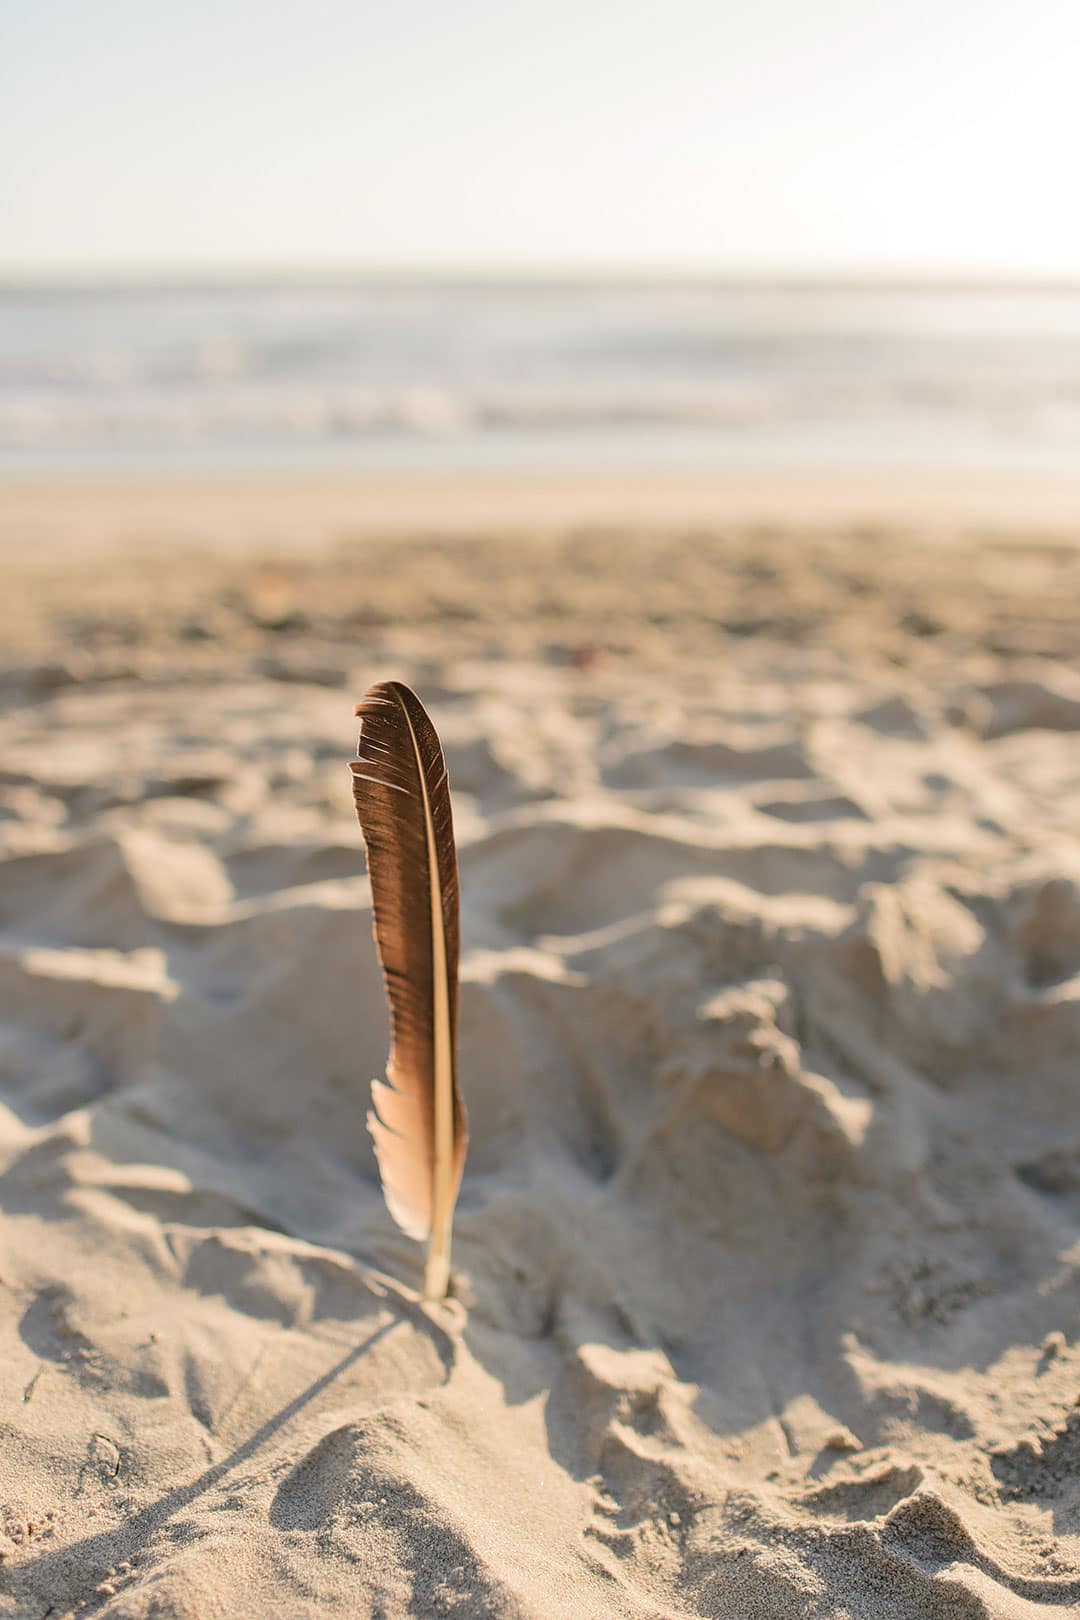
x,y
417,1117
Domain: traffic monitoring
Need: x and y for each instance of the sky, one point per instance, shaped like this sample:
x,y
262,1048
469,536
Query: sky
x,y
859,136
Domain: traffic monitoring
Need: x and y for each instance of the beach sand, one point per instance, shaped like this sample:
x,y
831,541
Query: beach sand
x,y
767,1260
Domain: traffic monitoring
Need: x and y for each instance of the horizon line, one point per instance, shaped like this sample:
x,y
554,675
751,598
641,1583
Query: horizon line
x,y
239,273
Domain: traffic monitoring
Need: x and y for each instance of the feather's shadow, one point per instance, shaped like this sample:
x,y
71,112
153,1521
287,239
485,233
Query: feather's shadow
x,y
87,1561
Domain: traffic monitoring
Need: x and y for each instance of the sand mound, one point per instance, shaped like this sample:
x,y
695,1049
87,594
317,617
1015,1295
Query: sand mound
x,y
767,1273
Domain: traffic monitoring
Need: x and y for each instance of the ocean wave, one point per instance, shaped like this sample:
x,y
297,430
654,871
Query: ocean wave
x,y
120,372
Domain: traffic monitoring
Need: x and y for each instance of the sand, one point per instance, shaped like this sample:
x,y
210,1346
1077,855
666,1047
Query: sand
x,y
261,515
767,1261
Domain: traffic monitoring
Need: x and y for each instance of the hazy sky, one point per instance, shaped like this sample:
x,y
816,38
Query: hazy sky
x,y
896,134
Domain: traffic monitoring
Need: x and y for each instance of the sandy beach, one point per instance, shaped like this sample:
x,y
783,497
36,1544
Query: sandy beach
x,y
766,1297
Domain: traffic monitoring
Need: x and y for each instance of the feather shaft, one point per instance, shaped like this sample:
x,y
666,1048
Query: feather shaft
x,y
437,1270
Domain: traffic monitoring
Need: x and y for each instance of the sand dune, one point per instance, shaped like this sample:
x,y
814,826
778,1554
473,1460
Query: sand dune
x,y
767,1272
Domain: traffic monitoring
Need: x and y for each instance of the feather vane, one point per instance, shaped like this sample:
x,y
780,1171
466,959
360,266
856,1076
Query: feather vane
x,y
417,1119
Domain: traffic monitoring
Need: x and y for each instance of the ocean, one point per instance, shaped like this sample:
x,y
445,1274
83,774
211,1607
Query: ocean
x,y
482,374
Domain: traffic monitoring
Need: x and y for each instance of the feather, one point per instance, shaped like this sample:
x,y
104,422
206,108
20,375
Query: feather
x,y
417,1118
